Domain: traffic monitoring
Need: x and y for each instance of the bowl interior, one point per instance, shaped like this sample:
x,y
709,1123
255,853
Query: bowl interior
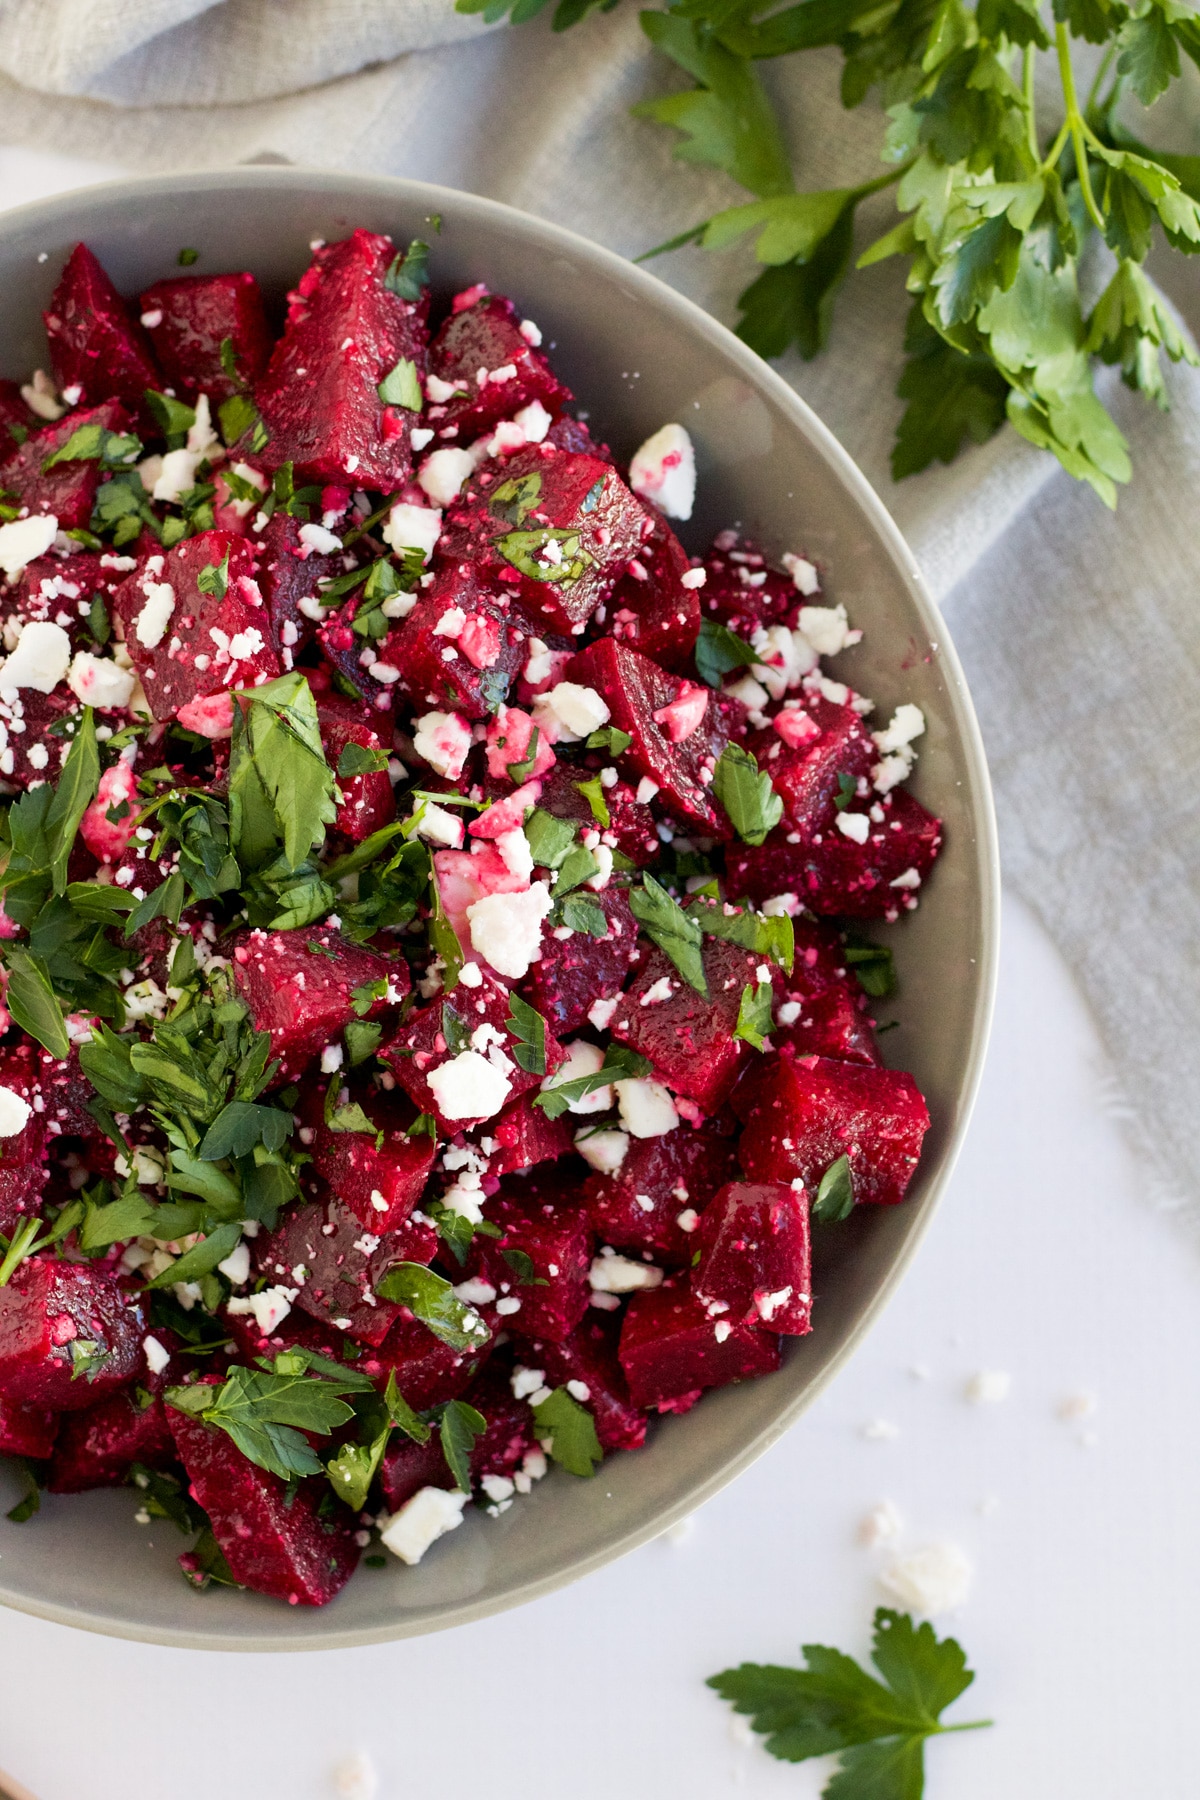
x,y
636,355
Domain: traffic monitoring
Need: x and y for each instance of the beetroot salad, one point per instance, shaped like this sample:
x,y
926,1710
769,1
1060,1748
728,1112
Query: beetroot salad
x,y
436,991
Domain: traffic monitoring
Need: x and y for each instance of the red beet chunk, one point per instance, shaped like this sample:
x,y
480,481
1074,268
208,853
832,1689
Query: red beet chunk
x,y
874,880
407,1467
66,1091
341,1264
53,588
589,1356
800,1117
630,827
288,573
541,1220
367,802
688,1038
278,1539
498,1450
754,1266
69,1335
380,1183
526,1136
660,1180
808,779
635,689
16,419
671,1350
22,1156
207,643
189,318
577,971
26,1430
427,1371
742,592
319,394
832,1023
497,370
424,1045
650,609
68,490
543,496
96,345
304,997
95,1448
458,648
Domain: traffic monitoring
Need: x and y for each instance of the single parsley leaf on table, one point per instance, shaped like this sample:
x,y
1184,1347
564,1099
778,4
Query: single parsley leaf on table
x,y
834,1706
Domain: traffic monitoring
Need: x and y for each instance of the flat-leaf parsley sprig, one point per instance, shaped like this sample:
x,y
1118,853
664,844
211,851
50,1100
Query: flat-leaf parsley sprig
x,y
877,1728
997,203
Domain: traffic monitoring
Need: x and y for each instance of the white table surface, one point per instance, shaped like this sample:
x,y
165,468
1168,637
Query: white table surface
x,y
1048,1260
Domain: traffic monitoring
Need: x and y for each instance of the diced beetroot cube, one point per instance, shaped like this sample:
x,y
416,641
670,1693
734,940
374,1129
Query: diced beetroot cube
x,y
367,802
304,996
589,1356
525,1136
874,880
832,1023
407,1467
39,712
571,434
288,573
635,690
800,1117
96,345
539,1221
189,318
427,1371
689,1039
55,587
809,777
651,610
510,1432
497,371
630,827
671,1350
319,394
424,1047
22,1156
341,1264
542,500
68,490
69,1335
95,1448
577,971
661,1180
16,419
459,648
26,1430
754,1266
186,643
278,1538
742,592
379,1183
66,1090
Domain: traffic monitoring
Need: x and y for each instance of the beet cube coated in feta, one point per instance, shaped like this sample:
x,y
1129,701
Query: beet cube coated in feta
x,y
754,1264
689,1038
68,489
188,318
459,648
544,1226
671,1350
304,995
494,368
69,1335
279,1538
802,1115
96,346
661,1181
319,394
576,971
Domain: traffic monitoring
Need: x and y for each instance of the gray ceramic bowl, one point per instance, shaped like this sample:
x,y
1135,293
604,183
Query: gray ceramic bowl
x,y
637,355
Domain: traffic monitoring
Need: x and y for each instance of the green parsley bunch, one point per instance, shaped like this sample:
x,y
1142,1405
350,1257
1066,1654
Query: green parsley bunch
x,y
997,204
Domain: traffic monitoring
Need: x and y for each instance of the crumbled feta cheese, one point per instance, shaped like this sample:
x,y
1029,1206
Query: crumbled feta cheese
x,y
751,693
157,1355
646,790
469,1086
145,1000
582,1059
443,473
663,470
907,723
600,1012
646,1107
826,628
440,391
236,1266
99,681
603,1151
40,394
525,1382
880,1431
41,658
475,1292
621,1275
534,421
854,825
22,541
438,825
412,528
151,623
805,578
506,929
15,1113
421,1521
930,1581
530,332
785,658
515,853
688,1219
176,474
443,741
881,1525
569,712
989,1387
318,541
355,1778
767,1305
269,1309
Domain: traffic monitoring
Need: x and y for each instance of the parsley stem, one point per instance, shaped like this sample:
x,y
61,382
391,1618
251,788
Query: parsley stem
x,y
1098,83
1056,148
1075,123
1030,109
20,1246
971,1725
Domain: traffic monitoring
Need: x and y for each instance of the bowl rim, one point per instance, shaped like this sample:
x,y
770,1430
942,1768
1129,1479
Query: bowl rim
x,y
324,1633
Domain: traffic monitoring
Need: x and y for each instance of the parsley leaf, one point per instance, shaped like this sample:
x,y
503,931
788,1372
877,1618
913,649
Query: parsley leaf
x,y
581,913
568,1432
833,1705
408,275
719,651
280,786
748,797
620,1064
754,1019
874,967
432,1299
528,1027
265,1412
459,1424
358,759
401,386
835,1194
766,934
610,738
94,443
676,932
